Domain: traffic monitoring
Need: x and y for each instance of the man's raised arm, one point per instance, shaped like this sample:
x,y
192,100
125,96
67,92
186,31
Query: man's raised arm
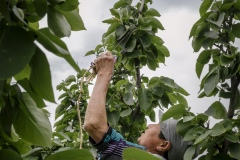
x,y
95,118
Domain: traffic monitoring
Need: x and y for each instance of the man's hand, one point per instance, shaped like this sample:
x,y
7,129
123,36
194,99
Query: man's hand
x,y
104,64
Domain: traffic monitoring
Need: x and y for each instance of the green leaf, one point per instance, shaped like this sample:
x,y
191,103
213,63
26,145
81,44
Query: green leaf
x,y
55,45
145,39
175,110
164,50
218,130
211,83
197,43
40,77
71,154
57,23
216,110
9,154
234,149
14,39
68,5
205,6
154,22
211,34
189,153
28,88
4,11
74,19
199,68
131,44
131,153
219,21
40,7
32,124
113,117
145,98
25,73
152,12
126,112
90,53
120,4
61,135
128,98
202,137
232,138
204,56
235,30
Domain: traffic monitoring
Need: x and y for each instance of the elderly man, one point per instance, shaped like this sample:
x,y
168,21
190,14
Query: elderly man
x,y
161,140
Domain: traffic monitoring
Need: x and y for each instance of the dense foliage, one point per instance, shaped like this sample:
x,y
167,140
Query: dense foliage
x,y
25,130
214,36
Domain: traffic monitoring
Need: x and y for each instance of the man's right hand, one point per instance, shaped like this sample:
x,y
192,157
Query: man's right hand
x,y
104,64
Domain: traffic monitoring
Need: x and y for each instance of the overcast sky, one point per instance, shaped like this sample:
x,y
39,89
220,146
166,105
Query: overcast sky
x,y
177,17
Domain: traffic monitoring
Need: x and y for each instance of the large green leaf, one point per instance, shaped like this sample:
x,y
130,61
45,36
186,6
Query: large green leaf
x,y
4,10
199,68
219,21
189,153
205,6
211,82
40,7
234,149
154,22
202,137
113,117
235,30
71,154
32,124
128,98
40,77
16,50
216,110
145,98
152,12
68,5
137,154
175,110
28,88
6,154
218,130
55,45
58,24
74,19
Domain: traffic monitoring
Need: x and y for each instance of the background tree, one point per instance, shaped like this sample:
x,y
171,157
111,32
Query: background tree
x,y
215,33
25,78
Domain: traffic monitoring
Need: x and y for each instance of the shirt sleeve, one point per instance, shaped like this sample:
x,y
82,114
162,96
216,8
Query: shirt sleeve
x,y
112,144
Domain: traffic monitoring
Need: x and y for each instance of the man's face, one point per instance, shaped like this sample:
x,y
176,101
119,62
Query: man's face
x,y
150,138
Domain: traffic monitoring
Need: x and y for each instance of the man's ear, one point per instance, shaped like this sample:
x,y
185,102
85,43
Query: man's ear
x,y
163,146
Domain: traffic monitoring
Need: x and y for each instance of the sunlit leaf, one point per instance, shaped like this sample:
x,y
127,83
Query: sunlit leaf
x,y
74,154
137,154
32,124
